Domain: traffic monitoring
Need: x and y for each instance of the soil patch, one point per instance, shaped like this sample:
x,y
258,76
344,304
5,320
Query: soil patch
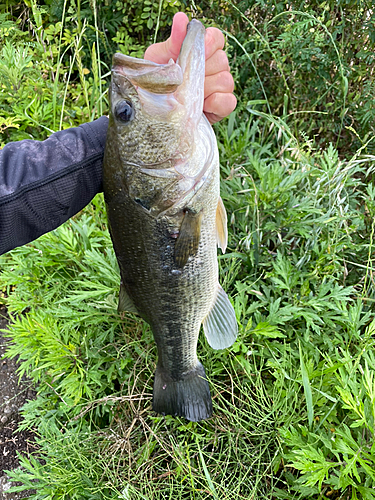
x,y
13,394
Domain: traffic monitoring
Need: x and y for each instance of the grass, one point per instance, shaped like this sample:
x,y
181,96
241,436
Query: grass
x,y
46,85
293,398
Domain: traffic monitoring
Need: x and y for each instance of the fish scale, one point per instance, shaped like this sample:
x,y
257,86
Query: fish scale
x,y
166,217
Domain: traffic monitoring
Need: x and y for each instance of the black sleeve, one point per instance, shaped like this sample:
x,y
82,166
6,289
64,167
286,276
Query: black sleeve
x,y
42,184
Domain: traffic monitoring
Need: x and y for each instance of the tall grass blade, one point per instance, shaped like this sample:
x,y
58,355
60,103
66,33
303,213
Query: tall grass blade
x,y
207,474
57,74
306,388
97,70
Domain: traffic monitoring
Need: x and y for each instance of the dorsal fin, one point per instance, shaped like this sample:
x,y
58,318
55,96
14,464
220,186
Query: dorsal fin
x,y
125,303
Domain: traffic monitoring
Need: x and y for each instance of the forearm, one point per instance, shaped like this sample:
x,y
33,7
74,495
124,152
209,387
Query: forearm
x,y
43,184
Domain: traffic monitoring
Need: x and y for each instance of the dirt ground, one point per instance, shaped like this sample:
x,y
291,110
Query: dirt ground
x,y
12,396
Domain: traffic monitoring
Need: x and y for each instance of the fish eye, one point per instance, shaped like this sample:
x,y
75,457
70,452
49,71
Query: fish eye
x,y
124,111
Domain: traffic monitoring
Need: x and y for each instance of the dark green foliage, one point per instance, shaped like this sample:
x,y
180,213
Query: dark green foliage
x,y
311,61
56,81
303,244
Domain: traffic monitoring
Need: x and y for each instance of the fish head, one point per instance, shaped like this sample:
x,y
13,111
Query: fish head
x,y
154,108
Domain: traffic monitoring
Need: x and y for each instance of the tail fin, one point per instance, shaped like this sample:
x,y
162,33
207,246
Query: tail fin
x,y
189,397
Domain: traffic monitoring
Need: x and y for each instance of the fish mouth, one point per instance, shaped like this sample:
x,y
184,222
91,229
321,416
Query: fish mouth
x,y
193,45
172,92
190,94
167,78
150,76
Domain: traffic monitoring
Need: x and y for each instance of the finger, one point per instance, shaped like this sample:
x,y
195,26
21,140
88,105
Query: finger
x,y
214,40
217,106
163,51
212,118
220,82
216,63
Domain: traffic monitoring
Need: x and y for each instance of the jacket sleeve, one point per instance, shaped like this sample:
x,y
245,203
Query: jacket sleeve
x,y
42,184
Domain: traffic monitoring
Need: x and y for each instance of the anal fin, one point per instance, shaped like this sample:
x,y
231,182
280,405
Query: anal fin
x,y
188,238
125,303
220,324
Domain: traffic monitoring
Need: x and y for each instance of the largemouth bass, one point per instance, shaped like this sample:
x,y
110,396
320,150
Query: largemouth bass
x,y
166,217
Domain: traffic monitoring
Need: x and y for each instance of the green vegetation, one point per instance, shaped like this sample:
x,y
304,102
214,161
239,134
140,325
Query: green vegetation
x,y
294,398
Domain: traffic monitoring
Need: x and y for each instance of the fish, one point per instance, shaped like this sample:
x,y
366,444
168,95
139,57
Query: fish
x,y
161,180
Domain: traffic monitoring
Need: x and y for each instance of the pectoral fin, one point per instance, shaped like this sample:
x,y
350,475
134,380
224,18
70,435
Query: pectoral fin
x,y
125,303
221,226
220,324
188,238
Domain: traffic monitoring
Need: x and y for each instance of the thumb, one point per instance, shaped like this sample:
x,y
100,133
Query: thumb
x,y
163,51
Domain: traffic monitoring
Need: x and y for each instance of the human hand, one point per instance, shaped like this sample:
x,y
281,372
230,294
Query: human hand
x,y
219,100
